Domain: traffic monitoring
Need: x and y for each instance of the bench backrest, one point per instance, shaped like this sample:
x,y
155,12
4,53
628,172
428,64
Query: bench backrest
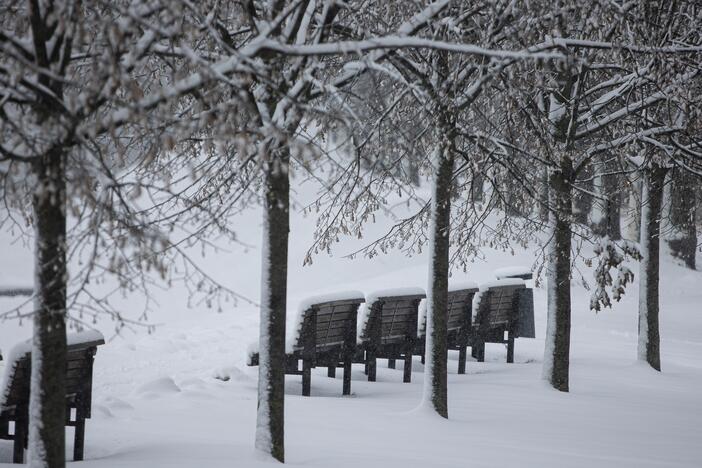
x,y
330,324
499,307
459,309
393,319
79,369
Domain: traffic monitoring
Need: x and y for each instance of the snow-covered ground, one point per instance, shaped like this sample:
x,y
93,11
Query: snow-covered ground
x,y
183,397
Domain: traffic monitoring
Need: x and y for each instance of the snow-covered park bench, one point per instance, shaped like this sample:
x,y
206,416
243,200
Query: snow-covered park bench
x,y
79,383
459,330
496,315
388,329
323,333
526,327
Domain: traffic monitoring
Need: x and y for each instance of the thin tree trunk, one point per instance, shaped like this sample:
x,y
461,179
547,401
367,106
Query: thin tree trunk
x,y
271,375
47,404
651,201
557,349
435,378
683,226
613,215
476,187
582,201
543,196
606,212
634,210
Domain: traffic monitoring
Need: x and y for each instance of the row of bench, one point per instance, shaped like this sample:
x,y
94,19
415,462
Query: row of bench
x,y
14,391
337,333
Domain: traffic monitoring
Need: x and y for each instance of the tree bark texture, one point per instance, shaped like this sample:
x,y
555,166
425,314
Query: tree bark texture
x,y
436,353
271,392
557,359
651,203
47,407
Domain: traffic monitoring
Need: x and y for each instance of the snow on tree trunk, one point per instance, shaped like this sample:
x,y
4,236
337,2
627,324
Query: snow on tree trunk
x,y
274,277
682,236
651,201
557,346
47,402
435,387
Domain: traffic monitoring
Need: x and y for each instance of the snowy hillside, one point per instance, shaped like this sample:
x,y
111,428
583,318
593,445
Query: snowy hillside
x,y
183,397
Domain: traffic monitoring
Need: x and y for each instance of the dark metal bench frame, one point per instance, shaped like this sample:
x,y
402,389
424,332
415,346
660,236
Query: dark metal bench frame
x,y
79,387
390,342
324,340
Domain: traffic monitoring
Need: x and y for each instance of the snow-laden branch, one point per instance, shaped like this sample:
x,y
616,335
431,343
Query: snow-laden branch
x,y
632,137
566,42
401,42
629,109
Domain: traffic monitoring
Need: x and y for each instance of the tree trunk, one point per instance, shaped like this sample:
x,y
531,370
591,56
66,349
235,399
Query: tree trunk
x,y
513,196
47,403
476,187
436,354
634,210
682,238
582,201
274,278
543,196
557,349
606,216
651,201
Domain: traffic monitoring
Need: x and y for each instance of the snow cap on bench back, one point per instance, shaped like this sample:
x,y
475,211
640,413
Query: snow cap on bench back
x,y
294,320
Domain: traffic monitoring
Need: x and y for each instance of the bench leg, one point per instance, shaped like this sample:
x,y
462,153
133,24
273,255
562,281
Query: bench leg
x,y
79,439
306,377
478,352
19,440
391,363
462,360
372,363
407,376
331,371
510,349
347,378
